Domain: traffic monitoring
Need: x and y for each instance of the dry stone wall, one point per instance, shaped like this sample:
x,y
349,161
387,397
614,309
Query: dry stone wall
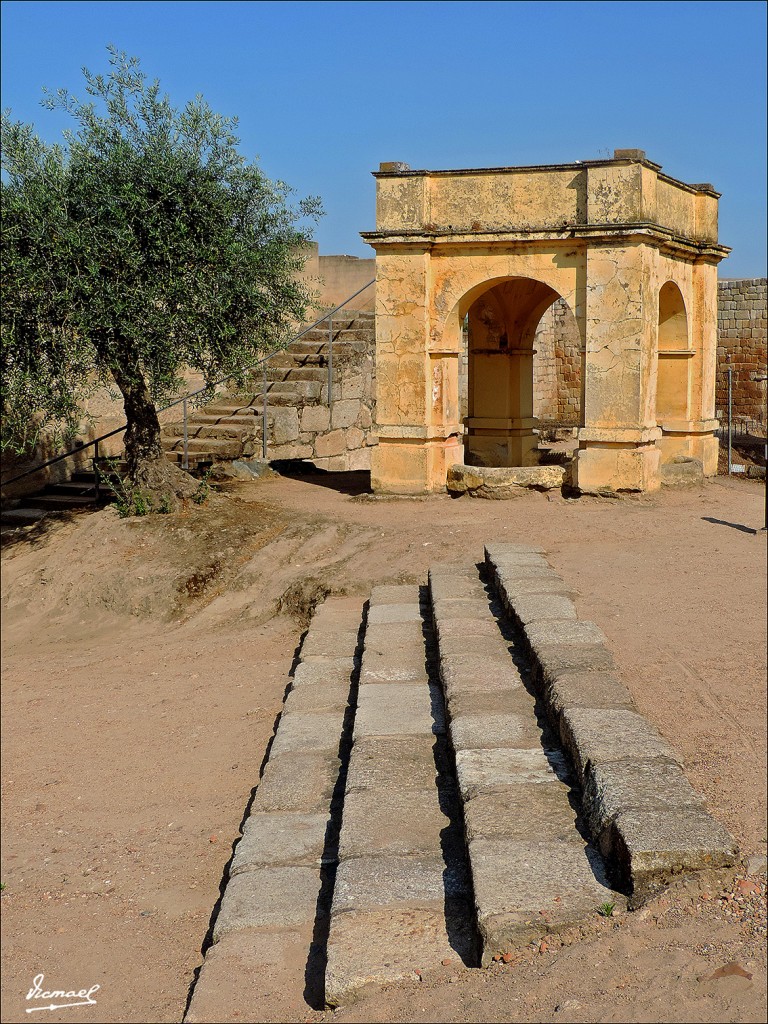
x,y
742,319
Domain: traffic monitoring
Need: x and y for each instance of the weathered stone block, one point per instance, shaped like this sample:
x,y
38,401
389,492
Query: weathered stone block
x,y
279,839
526,812
502,481
390,612
344,413
587,690
302,781
404,593
399,709
369,883
355,438
268,897
384,946
594,736
333,443
465,674
285,426
400,762
480,771
334,697
317,730
553,660
327,672
534,608
315,418
397,823
564,632
482,731
323,643
526,889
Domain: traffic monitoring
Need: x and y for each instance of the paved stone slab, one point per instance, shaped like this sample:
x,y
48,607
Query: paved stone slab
x,y
468,673
597,735
399,709
482,648
526,812
298,781
368,883
333,697
324,643
406,593
549,583
496,551
443,588
535,608
329,672
399,762
316,730
394,669
553,660
248,968
516,881
390,612
509,575
461,607
551,633
283,838
269,897
651,848
516,701
382,638
484,731
515,559
377,947
449,626
480,771
449,570
398,823
588,690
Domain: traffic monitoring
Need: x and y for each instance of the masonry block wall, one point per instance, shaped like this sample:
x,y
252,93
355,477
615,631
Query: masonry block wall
x,y
742,322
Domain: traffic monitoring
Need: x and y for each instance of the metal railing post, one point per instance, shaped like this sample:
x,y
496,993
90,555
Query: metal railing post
x,y
185,463
730,421
96,475
330,364
264,415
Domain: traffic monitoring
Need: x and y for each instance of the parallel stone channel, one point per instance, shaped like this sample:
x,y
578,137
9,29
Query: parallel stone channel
x,y
533,869
454,777
402,900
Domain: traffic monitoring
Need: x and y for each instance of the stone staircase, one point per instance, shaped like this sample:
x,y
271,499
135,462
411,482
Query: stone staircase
x,y
458,771
300,424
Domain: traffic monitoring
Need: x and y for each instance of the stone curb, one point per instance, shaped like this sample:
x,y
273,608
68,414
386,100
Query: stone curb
x,y
642,812
284,865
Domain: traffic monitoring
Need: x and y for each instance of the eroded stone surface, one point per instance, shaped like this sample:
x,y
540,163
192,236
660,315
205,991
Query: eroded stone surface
x,y
588,690
269,897
526,812
399,709
283,838
594,736
398,823
484,731
367,883
479,771
400,762
298,781
502,481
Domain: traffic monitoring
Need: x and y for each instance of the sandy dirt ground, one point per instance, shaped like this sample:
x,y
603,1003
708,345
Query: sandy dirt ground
x,y
145,663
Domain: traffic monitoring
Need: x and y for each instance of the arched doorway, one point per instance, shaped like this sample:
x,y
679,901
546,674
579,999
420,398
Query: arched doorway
x,y
502,324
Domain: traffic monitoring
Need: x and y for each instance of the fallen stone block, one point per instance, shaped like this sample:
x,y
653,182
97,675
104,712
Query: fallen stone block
x,y
594,736
268,897
282,838
502,481
383,946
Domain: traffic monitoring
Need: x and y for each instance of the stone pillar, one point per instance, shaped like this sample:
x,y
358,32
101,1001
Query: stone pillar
x,y
416,384
617,444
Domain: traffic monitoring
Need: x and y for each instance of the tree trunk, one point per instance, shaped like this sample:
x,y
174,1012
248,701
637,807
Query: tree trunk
x,y
147,467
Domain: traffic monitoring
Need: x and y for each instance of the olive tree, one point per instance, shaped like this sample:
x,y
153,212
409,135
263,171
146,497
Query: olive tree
x,y
144,244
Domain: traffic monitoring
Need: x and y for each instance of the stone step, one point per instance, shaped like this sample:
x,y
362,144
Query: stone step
x,y
297,373
642,812
223,428
532,870
220,447
277,897
402,899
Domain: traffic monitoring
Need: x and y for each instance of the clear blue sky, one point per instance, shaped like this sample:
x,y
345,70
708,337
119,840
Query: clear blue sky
x,y
325,91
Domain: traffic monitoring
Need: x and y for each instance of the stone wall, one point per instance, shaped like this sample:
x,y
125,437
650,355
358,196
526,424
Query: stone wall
x,y
557,367
741,325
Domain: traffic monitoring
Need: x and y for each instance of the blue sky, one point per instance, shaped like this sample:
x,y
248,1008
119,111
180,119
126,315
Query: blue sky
x,y
325,91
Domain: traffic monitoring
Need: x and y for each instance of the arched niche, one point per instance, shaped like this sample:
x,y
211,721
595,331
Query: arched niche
x,y
674,359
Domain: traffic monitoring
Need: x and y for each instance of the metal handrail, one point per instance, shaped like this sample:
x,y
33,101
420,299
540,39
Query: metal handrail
x,y
212,388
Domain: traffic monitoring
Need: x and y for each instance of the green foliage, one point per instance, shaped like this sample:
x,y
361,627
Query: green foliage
x,y
204,489
131,500
144,244
606,909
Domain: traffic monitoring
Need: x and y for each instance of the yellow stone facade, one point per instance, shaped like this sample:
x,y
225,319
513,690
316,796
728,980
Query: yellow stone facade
x,y
632,252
